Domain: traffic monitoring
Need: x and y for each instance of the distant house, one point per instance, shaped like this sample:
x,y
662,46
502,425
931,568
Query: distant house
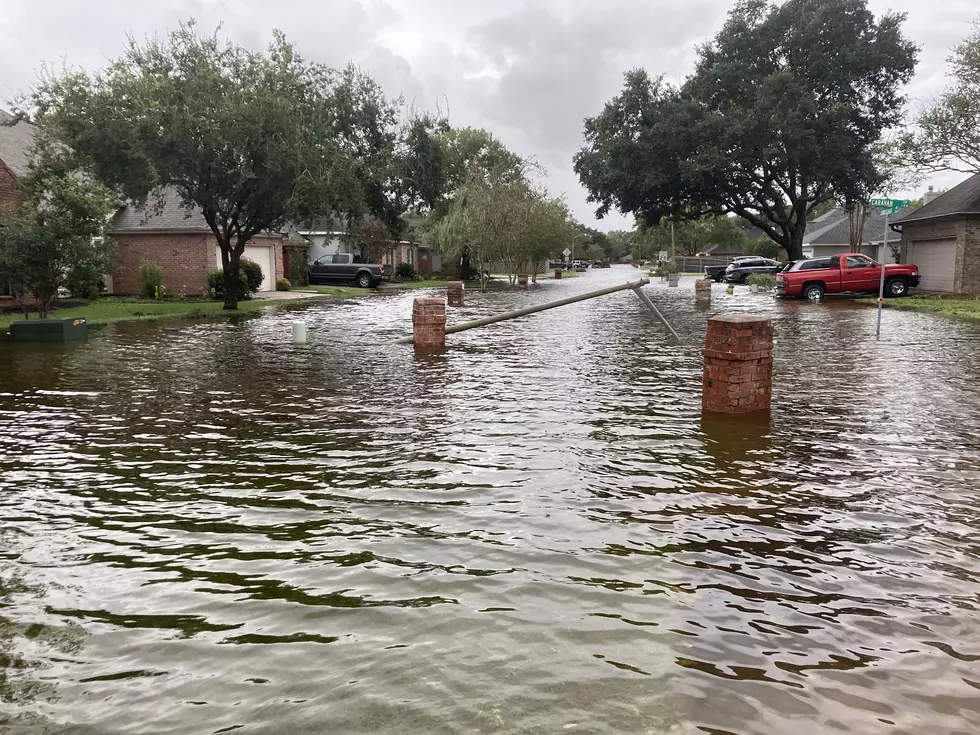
x,y
181,243
330,236
943,238
830,234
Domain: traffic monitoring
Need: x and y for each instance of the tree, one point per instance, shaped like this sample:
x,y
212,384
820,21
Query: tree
x,y
691,237
248,139
55,234
948,136
780,113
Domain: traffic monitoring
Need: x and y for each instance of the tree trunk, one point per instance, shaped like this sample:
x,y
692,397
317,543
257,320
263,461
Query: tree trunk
x,y
857,216
793,244
230,261
465,272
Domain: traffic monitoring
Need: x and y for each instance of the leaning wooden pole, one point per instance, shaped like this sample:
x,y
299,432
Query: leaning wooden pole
x,y
647,300
463,326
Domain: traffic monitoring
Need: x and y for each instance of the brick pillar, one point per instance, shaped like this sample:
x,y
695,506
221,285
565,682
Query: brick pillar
x,y
702,290
454,293
522,280
429,323
557,274
737,364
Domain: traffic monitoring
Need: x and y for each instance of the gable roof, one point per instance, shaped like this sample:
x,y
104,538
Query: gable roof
x,y
961,199
170,217
839,231
15,143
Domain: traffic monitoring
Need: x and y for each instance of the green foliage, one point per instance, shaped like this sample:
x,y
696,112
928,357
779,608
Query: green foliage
x,y
150,279
251,140
298,264
216,286
85,281
253,274
406,271
763,280
56,233
949,130
781,113
283,285
691,237
763,247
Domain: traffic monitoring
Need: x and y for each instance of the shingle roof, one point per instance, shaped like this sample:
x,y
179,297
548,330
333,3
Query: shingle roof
x,y
839,232
961,199
15,143
171,217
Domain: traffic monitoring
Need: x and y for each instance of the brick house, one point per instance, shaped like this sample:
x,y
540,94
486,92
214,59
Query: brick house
x,y
943,239
181,243
15,155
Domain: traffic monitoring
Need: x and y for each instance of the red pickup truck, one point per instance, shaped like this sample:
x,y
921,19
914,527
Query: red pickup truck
x,y
848,273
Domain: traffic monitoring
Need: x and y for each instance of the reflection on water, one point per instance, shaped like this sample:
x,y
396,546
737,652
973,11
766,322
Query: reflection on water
x,y
207,529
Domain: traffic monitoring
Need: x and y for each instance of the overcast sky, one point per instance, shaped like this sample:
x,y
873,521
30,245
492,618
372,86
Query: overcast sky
x,y
528,70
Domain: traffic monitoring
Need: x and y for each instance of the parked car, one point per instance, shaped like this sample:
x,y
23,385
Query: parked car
x,y
601,264
580,265
739,271
717,272
848,273
345,268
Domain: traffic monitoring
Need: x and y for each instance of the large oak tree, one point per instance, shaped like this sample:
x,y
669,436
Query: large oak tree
x,y
782,111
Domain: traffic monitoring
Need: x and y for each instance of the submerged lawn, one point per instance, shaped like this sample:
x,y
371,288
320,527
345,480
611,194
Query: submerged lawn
x,y
110,309
956,307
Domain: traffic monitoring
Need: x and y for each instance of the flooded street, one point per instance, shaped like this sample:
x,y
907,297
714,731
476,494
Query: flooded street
x,y
206,529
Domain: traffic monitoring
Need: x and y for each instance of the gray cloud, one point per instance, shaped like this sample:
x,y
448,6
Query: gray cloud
x,y
528,71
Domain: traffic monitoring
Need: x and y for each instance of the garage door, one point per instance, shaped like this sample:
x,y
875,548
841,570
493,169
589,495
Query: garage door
x,y
263,256
937,263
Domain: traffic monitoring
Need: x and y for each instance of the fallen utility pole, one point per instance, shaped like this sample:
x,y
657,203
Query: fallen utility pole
x,y
462,327
647,300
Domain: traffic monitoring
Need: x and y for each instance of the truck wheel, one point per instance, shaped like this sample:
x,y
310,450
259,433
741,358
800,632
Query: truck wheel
x,y
896,288
364,280
814,291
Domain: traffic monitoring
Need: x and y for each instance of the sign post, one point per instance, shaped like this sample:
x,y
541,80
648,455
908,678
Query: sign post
x,y
893,206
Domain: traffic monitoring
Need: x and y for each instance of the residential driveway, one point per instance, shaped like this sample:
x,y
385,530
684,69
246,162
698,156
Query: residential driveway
x,y
282,295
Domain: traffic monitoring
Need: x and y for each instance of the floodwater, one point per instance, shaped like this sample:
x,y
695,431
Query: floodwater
x,y
206,529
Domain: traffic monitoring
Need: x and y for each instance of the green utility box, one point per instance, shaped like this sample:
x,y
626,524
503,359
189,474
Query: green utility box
x,y
49,330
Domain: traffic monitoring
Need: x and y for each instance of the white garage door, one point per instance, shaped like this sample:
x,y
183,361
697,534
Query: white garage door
x,y
262,255
937,263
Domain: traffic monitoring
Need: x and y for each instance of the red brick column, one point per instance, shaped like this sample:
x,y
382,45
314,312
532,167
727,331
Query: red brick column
x,y
454,293
737,365
557,274
702,290
429,323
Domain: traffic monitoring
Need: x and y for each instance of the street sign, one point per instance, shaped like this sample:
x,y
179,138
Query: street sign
x,y
566,252
662,256
891,204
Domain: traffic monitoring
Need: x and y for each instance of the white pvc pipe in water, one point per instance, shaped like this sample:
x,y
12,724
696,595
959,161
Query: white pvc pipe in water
x,y
299,333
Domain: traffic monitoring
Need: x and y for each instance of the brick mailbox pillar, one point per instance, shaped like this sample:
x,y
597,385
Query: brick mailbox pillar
x,y
737,365
702,290
454,293
429,323
557,274
522,280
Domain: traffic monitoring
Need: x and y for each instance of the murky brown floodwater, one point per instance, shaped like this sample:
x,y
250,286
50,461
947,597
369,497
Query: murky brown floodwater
x,y
206,529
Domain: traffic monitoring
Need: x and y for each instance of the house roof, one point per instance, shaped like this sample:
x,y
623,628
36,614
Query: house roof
x,y
961,199
168,217
15,143
837,230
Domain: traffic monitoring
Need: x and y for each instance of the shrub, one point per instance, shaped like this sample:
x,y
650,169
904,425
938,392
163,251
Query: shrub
x,y
298,264
253,274
150,279
85,282
216,285
763,280
283,285
406,271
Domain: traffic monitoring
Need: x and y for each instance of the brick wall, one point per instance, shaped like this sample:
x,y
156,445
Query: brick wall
x,y
185,259
737,365
966,231
10,197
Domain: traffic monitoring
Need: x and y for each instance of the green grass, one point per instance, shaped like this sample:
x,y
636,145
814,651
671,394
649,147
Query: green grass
x,y
108,310
960,308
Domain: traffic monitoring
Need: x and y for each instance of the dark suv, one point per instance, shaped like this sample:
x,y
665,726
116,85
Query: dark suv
x,y
344,268
739,272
